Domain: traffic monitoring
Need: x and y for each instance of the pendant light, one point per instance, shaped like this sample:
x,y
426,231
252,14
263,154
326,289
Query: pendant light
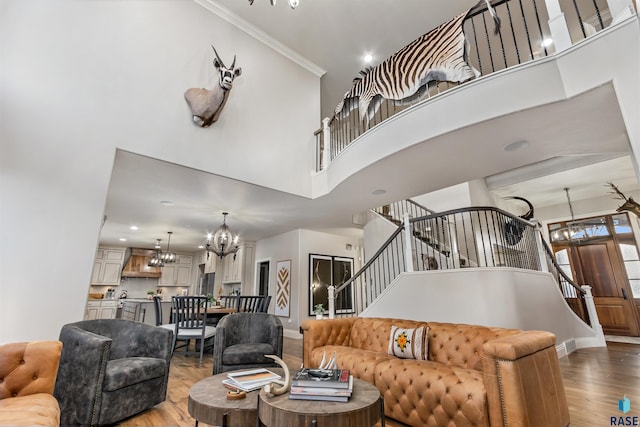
x,y
223,242
168,257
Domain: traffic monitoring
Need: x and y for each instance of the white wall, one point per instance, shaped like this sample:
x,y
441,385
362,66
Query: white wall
x,y
81,79
296,246
500,297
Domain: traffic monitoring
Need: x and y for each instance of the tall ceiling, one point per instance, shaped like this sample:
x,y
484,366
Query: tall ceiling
x,y
334,35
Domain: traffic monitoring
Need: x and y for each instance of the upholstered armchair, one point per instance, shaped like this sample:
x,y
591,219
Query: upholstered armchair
x,y
111,369
27,376
242,340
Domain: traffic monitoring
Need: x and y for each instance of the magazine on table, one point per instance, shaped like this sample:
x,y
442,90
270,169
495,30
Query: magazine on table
x,y
322,398
250,380
331,378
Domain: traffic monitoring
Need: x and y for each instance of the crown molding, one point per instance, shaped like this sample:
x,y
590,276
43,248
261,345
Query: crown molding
x,y
260,35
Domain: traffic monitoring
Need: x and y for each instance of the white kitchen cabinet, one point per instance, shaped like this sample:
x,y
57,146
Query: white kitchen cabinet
x,y
92,311
239,269
107,266
210,263
178,273
108,310
101,310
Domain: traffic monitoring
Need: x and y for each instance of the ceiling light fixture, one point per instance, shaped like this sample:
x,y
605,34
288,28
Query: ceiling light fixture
x,y
515,146
367,58
576,231
292,3
223,242
156,260
161,258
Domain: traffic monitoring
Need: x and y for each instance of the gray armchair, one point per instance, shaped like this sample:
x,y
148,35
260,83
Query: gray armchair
x,y
111,369
242,340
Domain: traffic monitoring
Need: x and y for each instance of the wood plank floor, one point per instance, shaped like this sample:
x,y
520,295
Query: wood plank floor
x,y
594,380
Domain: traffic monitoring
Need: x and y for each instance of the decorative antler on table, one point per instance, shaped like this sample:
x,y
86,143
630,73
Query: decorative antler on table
x,y
629,204
278,387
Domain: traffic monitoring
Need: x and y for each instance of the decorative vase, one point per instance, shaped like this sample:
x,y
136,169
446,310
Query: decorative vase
x,y
319,316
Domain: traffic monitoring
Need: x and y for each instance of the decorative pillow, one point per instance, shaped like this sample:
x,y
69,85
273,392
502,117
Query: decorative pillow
x,y
409,343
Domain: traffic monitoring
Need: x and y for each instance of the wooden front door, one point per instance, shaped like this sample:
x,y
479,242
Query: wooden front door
x,y
601,268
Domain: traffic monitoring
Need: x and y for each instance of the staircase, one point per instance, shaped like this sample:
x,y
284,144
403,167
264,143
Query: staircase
x,y
475,237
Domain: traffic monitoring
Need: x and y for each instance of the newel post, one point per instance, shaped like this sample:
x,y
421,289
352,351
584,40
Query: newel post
x,y
326,142
332,301
593,314
558,26
408,254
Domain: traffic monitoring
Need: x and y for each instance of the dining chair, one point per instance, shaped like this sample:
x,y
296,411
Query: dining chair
x,y
250,304
189,313
130,311
157,306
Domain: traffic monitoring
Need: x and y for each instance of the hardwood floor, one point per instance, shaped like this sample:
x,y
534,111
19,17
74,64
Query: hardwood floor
x,y
594,380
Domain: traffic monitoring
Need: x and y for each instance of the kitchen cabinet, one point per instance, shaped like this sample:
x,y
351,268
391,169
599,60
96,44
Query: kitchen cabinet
x,y
239,268
178,273
210,263
107,266
101,310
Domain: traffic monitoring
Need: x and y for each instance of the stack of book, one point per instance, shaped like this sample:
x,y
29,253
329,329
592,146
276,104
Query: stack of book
x,y
249,380
334,385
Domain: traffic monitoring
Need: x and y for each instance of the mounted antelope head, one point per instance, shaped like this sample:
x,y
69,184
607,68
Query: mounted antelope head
x,y
206,105
628,205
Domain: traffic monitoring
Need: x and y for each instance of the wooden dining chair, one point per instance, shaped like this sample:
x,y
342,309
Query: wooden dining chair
x,y
189,313
252,304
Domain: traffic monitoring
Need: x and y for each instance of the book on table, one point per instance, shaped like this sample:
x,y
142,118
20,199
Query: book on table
x,y
322,393
250,380
330,378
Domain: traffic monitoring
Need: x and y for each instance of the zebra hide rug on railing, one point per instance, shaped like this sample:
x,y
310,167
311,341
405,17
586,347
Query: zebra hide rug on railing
x,y
439,55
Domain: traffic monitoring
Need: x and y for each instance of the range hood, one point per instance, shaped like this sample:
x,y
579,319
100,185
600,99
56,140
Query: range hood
x,y
136,264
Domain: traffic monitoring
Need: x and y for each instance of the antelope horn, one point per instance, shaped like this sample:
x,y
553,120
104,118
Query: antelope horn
x,y
527,215
276,388
218,56
617,191
233,64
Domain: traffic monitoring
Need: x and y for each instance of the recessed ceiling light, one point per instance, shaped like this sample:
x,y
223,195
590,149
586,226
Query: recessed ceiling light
x,y
515,146
166,203
122,239
200,247
133,227
378,192
367,58
547,42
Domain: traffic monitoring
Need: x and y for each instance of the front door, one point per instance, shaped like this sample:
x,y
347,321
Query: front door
x,y
603,255
603,271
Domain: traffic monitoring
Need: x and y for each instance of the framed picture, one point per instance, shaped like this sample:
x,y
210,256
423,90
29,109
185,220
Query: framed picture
x,y
283,288
327,270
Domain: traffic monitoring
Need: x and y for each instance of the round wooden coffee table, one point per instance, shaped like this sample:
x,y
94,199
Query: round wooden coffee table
x,y
364,408
208,403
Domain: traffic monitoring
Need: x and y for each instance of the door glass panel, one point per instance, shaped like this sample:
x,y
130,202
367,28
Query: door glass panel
x,y
632,266
635,288
621,224
562,257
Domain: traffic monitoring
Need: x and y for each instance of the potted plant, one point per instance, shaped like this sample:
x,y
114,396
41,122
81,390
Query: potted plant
x,y
150,294
318,309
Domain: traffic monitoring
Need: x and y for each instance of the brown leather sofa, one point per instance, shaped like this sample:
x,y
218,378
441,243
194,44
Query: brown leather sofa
x,y
473,375
27,376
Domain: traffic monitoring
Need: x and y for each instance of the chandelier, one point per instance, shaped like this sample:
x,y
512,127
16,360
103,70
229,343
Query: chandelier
x,y
161,258
292,3
577,231
223,242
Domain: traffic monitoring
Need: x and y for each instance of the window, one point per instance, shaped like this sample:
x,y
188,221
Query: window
x,y
324,271
632,266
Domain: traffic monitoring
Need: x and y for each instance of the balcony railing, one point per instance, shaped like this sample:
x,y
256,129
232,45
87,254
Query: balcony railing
x,y
525,36
463,238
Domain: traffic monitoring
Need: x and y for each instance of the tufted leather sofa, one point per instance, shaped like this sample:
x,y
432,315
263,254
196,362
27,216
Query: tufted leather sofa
x,y
474,375
27,376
